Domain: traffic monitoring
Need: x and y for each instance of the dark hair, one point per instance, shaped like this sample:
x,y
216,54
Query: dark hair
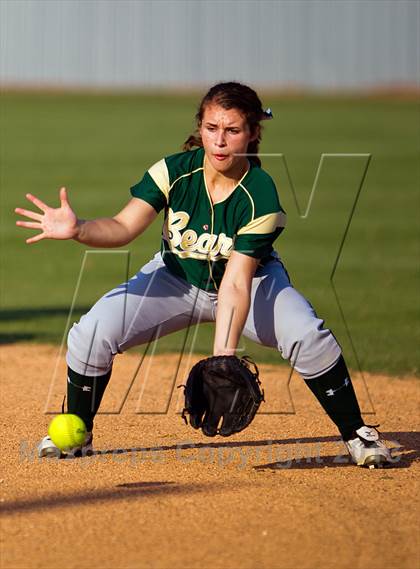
x,y
232,95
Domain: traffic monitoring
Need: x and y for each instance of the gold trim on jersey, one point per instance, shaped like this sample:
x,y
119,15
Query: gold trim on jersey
x,y
160,174
211,225
265,224
250,199
236,186
184,176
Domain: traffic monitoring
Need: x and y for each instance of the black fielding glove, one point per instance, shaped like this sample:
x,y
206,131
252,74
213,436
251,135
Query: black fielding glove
x,y
222,395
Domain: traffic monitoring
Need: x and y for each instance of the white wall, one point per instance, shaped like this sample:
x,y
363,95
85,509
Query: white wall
x,y
169,43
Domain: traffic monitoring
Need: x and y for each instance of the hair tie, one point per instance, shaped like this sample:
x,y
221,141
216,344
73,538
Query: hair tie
x,y
267,115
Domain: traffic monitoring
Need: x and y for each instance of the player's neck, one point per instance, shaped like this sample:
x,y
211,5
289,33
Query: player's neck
x,y
225,180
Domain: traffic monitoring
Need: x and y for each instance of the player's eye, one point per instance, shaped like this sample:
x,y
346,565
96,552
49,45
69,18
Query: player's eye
x,y
233,130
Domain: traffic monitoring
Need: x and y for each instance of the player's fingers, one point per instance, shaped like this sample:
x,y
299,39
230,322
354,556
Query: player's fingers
x,y
210,423
36,201
63,197
29,224
35,238
28,213
227,427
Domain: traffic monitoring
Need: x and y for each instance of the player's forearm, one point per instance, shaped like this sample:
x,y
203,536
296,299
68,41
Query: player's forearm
x,y
102,232
232,311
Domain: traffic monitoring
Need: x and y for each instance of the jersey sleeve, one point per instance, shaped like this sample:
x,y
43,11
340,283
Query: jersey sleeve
x,y
262,221
154,186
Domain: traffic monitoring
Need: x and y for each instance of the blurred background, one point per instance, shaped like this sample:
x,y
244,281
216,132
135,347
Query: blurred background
x,y
322,44
93,92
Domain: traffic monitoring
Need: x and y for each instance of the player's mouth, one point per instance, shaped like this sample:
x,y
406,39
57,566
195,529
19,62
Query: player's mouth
x,y
220,157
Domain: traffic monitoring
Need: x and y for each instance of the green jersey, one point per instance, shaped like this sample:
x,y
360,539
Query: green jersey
x,y
198,235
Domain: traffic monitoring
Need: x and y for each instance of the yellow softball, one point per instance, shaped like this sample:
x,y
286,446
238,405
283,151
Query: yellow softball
x,y
67,431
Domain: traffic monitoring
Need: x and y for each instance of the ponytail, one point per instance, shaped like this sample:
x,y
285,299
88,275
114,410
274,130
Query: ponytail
x,y
192,141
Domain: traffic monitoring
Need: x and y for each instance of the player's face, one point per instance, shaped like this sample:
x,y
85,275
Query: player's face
x,y
225,134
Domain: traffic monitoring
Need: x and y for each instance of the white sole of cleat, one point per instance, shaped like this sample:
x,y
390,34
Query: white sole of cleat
x,y
50,453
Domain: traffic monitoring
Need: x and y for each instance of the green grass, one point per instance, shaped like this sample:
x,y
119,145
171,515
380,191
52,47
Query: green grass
x,y
99,145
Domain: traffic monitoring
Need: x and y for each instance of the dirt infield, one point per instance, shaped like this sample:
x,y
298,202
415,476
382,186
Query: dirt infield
x,y
157,494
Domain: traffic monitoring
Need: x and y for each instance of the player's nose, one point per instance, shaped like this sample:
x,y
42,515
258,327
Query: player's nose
x,y
220,138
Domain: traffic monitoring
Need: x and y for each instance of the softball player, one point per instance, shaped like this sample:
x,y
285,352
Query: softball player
x,y
216,264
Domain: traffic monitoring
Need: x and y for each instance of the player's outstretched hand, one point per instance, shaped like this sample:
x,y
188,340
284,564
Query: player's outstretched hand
x,y
53,223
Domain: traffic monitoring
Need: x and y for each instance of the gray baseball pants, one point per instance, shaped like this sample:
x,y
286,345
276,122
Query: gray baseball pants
x,y
155,302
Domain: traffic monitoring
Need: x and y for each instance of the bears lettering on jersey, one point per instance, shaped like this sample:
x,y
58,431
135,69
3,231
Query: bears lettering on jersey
x,y
204,246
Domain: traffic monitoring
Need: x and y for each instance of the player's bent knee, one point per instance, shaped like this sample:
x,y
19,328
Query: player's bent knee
x,y
301,336
92,345
315,352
